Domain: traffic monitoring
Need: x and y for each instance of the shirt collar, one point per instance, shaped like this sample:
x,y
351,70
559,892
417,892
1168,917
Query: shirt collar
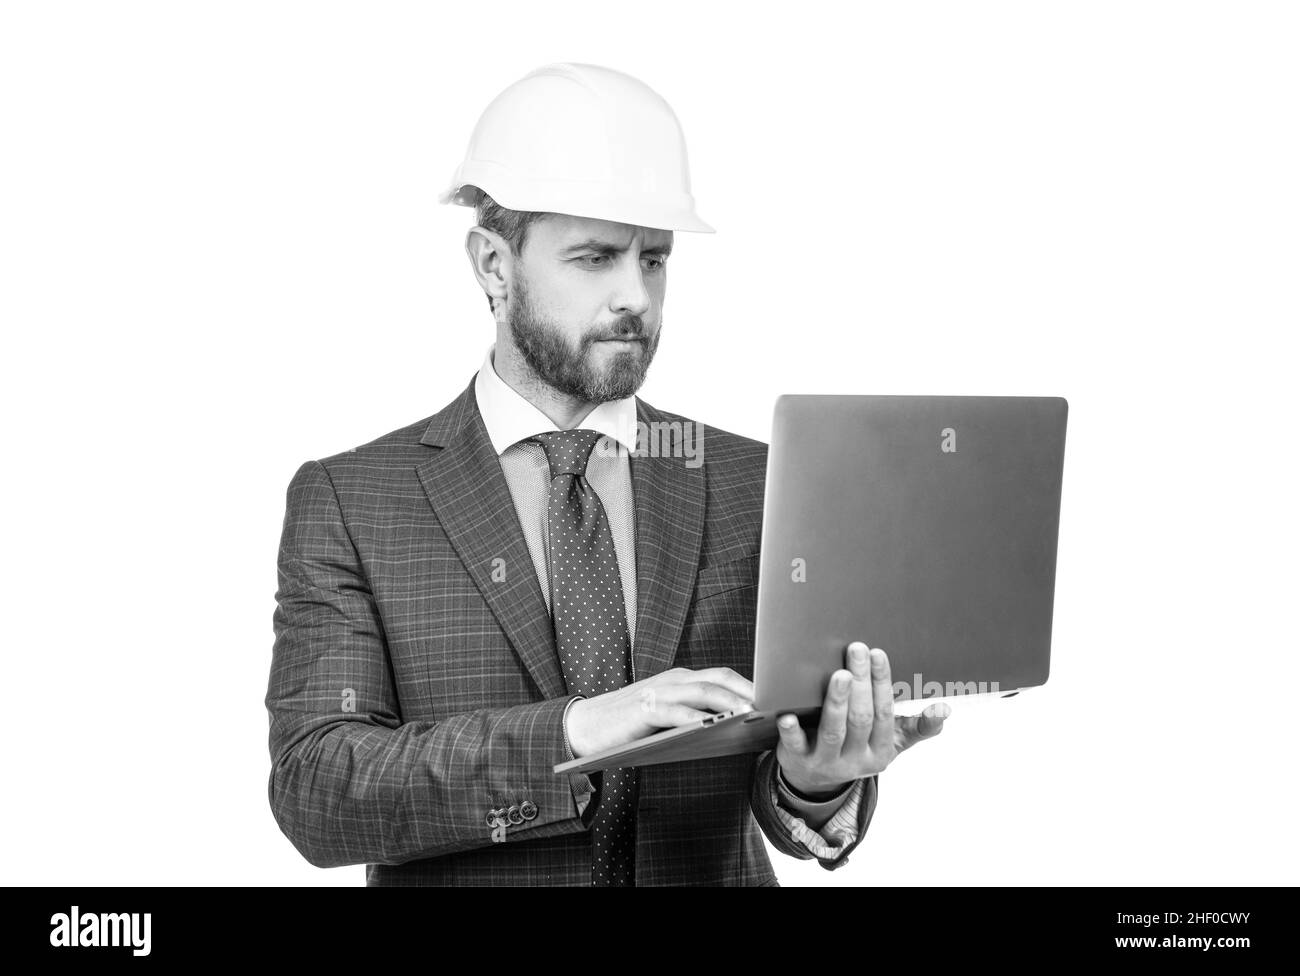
x,y
510,418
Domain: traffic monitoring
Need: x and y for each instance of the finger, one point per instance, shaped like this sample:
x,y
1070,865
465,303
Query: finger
x,y
728,678
857,658
882,693
705,694
835,711
862,716
669,715
792,734
927,725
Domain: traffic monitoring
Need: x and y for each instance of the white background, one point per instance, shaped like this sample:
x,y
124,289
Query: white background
x,y
222,255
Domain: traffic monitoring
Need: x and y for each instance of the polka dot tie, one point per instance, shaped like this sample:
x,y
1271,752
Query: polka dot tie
x,y
591,631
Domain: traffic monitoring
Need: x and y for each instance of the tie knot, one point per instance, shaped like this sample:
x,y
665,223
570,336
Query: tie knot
x,y
567,451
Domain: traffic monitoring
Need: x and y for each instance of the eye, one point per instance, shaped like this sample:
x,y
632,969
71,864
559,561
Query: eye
x,y
596,260
654,262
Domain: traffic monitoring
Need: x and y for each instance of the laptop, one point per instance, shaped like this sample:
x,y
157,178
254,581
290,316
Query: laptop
x,y
923,525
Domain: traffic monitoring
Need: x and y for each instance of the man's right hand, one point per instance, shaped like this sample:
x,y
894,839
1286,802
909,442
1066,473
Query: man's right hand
x,y
675,697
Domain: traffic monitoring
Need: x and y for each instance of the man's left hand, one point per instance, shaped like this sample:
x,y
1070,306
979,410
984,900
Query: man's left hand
x,y
859,735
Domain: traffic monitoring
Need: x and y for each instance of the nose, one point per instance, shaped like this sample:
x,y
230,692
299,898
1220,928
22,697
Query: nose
x,y
631,296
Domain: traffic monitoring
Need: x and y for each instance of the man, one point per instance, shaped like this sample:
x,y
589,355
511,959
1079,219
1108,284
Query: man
x,y
550,566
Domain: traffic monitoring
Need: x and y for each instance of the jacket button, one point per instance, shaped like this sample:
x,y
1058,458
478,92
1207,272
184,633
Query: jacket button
x,y
514,816
493,814
528,810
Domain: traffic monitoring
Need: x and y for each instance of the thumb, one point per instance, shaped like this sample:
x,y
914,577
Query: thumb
x,y
930,722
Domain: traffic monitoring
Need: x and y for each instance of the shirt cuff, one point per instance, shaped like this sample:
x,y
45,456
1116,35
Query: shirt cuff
x,y
829,841
814,812
580,783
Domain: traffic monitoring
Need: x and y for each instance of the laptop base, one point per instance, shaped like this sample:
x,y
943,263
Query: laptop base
x,y
726,734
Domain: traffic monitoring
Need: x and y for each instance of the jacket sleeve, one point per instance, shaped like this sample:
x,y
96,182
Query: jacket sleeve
x,y
351,783
790,835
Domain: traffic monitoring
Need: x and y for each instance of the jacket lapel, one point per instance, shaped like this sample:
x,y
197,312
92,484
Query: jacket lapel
x,y
468,491
669,500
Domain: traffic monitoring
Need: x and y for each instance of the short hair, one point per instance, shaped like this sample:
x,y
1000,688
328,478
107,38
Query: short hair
x,y
510,224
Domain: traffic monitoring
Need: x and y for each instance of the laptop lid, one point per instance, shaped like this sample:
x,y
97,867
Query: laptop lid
x,y
923,525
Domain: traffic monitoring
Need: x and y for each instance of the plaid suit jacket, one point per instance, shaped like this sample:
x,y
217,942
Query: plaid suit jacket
x,y
415,684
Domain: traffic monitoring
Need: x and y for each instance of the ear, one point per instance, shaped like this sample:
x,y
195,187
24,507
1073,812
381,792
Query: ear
x,y
493,264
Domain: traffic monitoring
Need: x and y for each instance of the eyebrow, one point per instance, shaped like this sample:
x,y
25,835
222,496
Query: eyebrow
x,y
606,247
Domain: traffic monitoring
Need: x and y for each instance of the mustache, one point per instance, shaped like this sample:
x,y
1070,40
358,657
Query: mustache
x,y
628,327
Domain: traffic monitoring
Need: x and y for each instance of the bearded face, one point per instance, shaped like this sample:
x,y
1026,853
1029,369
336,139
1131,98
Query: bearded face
x,y
604,363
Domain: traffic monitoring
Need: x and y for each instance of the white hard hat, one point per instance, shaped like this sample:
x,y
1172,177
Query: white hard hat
x,y
583,140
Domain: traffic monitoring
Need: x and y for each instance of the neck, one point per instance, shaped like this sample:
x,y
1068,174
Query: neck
x,y
563,410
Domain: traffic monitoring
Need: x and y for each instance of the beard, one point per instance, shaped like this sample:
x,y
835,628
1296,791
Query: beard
x,y
573,371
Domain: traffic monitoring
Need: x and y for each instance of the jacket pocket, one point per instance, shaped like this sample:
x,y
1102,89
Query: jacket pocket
x,y
719,578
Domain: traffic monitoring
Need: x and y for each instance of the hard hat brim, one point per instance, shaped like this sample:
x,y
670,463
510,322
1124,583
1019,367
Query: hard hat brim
x,y
674,212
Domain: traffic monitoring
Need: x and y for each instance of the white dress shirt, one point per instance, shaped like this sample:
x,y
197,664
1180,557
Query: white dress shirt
x,y
510,420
